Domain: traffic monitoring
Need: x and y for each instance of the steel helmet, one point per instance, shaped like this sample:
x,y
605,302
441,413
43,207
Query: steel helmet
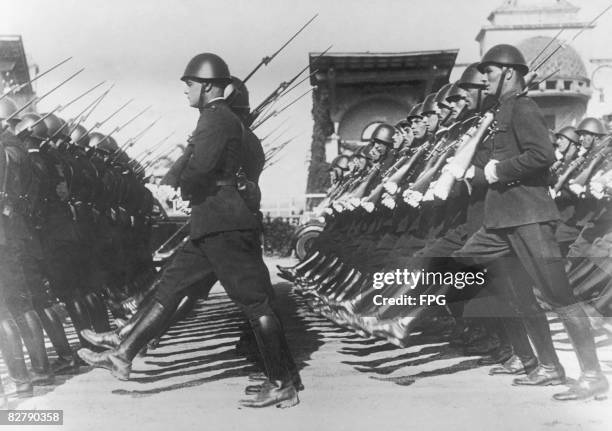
x,y
53,123
340,162
384,134
570,133
456,92
415,112
95,138
472,78
31,125
591,125
79,136
108,145
205,67
429,104
504,55
7,108
441,95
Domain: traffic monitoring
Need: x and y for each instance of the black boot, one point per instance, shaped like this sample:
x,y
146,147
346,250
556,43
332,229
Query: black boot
x,y
182,310
66,362
112,339
119,361
80,320
550,371
12,353
34,340
290,272
514,366
592,382
280,389
97,312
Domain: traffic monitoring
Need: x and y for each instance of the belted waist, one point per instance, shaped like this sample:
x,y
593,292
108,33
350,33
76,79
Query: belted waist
x,y
221,183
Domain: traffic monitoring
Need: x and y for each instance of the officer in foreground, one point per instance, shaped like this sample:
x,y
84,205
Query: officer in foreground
x,y
224,241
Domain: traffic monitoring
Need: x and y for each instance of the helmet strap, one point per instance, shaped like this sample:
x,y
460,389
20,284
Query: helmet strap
x,y
500,84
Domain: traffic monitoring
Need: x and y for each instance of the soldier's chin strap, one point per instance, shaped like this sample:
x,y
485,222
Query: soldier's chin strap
x,y
500,84
479,100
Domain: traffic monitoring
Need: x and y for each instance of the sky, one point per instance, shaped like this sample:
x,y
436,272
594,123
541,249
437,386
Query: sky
x,y
143,46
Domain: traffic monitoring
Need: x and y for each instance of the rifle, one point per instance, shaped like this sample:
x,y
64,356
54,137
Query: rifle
x,y
40,75
275,112
100,123
133,140
118,128
39,98
81,116
463,156
60,108
267,59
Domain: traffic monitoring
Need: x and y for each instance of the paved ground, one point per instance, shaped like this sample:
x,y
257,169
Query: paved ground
x,y
194,380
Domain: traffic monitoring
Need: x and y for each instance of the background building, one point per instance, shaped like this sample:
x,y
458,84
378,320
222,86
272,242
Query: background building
x,y
14,70
354,92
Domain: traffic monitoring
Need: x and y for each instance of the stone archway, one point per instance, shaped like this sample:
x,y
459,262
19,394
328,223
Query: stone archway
x,y
377,109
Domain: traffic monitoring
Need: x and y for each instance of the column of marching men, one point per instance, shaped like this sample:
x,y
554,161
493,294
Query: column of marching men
x,y
77,216
472,181
75,228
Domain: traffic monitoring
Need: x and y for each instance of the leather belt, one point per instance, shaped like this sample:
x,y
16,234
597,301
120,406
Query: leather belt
x,y
225,183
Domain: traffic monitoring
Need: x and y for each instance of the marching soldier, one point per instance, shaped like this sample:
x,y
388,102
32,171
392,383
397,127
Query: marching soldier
x,y
519,217
223,240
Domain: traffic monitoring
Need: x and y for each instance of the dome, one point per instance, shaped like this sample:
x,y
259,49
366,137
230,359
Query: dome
x,y
567,60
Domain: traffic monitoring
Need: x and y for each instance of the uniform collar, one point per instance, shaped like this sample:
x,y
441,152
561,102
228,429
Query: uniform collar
x,y
213,101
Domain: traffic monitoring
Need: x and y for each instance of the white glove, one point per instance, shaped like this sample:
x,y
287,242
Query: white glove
x,y
490,171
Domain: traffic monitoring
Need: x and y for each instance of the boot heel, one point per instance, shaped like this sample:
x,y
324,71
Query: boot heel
x,y
291,402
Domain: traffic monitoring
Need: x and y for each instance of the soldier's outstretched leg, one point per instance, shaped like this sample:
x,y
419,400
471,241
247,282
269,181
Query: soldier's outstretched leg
x,y
12,353
119,360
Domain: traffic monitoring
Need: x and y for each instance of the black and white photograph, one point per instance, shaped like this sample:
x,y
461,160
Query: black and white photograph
x,y
335,215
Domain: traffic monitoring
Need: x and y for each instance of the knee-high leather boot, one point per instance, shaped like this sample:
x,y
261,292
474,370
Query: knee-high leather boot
x,y
112,339
97,312
119,361
319,266
280,389
34,340
66,362
592,382
81,320
183,308
290,272
12,353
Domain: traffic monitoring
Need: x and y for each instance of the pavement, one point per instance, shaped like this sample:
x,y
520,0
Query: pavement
x,y
194,379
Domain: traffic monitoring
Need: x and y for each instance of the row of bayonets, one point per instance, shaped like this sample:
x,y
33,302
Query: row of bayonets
x,y
145,158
